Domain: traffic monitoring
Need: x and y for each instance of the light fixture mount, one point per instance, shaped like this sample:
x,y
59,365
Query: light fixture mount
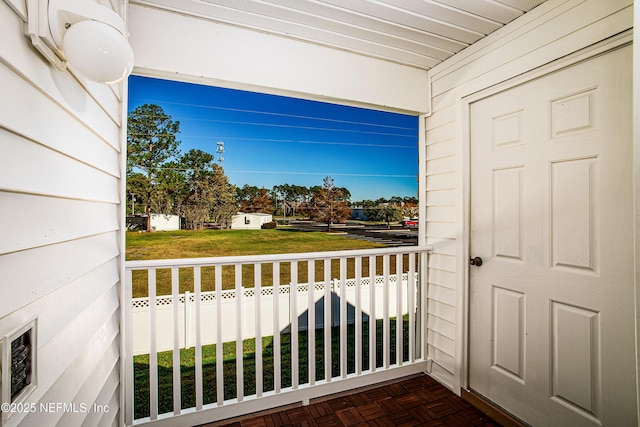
x,y
88,36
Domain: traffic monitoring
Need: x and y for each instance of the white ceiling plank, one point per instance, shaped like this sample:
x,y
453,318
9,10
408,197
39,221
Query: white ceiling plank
x,y
285,27
523,5
404,17
418,33
489,9
318,17
448,14
375,25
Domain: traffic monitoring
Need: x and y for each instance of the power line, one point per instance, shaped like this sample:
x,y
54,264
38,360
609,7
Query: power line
x,y
303,141
276,172
284,126
314,128
358,145
269,113
288,141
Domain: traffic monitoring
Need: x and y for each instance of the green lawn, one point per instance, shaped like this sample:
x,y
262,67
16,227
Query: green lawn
x,y
213,243
187,366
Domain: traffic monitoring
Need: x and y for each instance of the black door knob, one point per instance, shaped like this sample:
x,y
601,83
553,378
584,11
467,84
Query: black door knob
x,y
477,261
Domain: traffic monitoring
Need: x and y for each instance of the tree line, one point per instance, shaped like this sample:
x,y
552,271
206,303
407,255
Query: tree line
x,y
162,179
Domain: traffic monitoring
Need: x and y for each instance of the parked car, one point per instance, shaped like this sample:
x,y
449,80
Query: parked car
x,y
413,222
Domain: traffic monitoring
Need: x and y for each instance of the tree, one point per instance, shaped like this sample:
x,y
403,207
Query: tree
x,y
222,202
261,202
284,197
151,142
294,197
386,212
136,192
410,207
171,189
328,204
209,196
254,199
346,194
244,195
278,194
197,167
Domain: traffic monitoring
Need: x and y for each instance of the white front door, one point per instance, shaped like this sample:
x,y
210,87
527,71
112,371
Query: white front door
x,y
552,305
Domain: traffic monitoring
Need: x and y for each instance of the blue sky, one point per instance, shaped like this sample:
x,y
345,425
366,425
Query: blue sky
x,y
272,140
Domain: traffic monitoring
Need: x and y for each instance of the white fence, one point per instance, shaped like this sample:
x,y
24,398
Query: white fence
x,y
379,283
208,306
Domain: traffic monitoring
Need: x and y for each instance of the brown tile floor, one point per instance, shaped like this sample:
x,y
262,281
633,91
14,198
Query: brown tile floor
x,y
412,401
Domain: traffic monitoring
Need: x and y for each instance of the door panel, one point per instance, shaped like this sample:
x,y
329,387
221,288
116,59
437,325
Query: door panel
x,y
551,306
575,367
509,332
574,215
507,213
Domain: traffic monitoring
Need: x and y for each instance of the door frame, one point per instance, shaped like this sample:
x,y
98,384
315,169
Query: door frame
x,y
463,105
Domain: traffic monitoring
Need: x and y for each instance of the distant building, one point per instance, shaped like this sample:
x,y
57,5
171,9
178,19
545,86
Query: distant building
x,y
250,221
164,222
358,213
159,222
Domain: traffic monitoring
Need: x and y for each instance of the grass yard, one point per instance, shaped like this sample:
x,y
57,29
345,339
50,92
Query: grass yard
x,y
215,243
210,384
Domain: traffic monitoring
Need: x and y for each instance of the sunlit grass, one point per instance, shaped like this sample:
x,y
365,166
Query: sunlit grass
x,y
217,243
213,243
229,383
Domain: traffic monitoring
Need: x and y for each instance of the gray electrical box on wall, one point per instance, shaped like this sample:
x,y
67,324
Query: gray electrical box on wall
x,y
18,366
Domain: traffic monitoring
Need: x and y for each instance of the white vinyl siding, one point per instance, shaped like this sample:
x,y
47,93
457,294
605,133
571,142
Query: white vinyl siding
x,y
553,30
59,227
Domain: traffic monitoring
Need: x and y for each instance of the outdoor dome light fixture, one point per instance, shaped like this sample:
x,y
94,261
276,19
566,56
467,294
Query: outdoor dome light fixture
x,y
83,34
92,39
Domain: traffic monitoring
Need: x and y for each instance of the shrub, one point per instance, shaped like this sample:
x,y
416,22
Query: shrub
x,y
268,225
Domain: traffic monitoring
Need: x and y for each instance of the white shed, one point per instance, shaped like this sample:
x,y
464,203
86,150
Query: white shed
x,y
250,221
165,222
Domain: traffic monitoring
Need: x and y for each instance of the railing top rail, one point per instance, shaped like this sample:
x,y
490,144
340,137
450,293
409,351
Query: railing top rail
x,y
246,259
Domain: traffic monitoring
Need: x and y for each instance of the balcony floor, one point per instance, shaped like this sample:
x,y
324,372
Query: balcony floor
x,y
411,401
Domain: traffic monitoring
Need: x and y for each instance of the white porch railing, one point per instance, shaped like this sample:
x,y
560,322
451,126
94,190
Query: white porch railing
x,y
360,324
210,311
